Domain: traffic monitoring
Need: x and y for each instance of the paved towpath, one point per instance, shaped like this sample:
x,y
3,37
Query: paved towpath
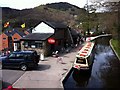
x,y
49,74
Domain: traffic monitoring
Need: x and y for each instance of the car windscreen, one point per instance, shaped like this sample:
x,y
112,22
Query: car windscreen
x,y
80,60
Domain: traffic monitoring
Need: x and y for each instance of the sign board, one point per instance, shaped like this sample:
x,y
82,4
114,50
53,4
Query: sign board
x,y
51,40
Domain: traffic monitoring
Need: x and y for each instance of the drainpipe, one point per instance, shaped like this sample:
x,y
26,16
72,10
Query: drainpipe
x,y
70,36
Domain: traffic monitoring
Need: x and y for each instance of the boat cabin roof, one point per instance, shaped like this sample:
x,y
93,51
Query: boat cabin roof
x,y
85,50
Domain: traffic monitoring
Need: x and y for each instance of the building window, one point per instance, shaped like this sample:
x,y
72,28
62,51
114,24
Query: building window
x,y
26,44
33,44
38,45
4,38
15,38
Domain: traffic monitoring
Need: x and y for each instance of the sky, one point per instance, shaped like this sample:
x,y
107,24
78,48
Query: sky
x,y
22,4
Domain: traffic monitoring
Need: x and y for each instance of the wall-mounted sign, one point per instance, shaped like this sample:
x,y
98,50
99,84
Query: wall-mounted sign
x,y
38,41
51,40
32,46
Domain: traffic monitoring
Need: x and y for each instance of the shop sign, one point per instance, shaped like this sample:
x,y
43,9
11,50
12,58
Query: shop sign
x,y
51,40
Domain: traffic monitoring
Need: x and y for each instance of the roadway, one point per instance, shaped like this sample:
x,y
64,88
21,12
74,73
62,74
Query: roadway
x,y
9,76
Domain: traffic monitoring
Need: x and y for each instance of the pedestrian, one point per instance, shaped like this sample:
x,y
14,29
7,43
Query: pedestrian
x,y
7,52
55,54
60,59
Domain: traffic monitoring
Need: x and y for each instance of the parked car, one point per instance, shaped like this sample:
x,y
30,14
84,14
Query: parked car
x,y
1,57
21,59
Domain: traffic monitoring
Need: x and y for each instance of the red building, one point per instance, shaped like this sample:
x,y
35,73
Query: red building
x,y
7,39
3,41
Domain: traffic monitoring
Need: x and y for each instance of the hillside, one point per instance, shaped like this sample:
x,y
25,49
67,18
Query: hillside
x,y
57,12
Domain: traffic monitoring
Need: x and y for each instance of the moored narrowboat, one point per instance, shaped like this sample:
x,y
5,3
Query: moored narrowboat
x,y
84,57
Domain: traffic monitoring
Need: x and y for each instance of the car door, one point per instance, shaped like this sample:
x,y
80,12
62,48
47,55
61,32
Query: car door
x,y
17,60
8,60
14,60
29,59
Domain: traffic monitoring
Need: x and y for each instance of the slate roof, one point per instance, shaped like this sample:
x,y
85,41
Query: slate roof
x,y
19,32
37,36
55,25
12,32
73,32
29,30
9,33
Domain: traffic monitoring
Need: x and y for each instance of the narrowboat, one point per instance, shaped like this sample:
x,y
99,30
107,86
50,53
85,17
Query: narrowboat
x,y
84,58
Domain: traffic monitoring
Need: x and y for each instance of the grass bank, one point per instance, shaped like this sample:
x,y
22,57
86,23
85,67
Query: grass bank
x,y
116,46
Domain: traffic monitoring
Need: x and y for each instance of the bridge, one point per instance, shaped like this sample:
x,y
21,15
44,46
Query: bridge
x,y
92,38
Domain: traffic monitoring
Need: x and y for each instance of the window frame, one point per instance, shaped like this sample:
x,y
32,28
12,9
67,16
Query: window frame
x,y
82,62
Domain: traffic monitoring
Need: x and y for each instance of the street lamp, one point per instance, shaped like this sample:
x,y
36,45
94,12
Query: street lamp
x,y
119,20
88,19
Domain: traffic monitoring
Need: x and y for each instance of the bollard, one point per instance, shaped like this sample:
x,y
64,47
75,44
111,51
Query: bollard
x,y
42,56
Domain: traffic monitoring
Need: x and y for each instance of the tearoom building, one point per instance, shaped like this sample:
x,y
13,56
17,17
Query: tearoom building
x,y
47,37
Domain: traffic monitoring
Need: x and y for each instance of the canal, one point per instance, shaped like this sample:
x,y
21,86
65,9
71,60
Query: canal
x,y
105,71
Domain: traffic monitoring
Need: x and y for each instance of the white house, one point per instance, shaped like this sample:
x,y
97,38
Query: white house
x,y
43,28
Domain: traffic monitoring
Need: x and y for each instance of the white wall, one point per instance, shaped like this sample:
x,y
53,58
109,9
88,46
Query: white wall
x,y
43,28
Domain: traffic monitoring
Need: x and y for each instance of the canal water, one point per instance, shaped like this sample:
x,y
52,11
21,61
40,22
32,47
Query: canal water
x,y
105,71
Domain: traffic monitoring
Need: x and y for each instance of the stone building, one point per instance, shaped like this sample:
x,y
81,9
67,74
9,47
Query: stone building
x,y
47,37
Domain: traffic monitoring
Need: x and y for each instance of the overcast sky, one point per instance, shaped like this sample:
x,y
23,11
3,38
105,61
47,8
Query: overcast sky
x,y
22,4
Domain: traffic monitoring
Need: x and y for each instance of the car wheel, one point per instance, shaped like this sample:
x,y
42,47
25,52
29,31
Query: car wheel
x,y
23,67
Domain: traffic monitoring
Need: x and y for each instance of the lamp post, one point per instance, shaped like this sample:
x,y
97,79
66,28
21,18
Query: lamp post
x,y
119,20
88,19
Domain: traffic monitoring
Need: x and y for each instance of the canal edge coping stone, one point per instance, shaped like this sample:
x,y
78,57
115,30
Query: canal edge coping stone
x,y
114,50
65,77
